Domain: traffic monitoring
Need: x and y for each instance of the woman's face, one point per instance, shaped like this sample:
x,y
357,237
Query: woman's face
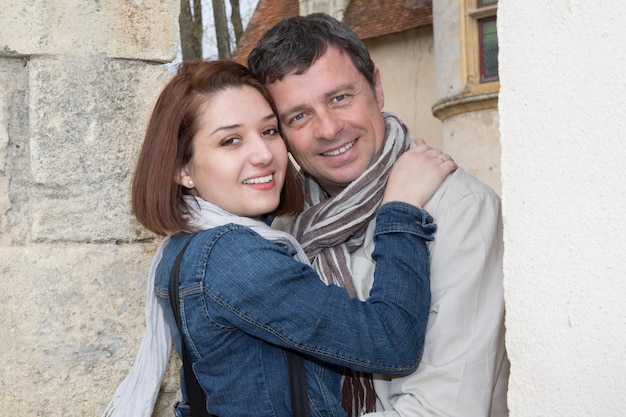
x,y
239,158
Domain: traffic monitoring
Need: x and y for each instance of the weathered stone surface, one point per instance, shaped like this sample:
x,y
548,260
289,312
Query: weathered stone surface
x,y
137,29
87,118
6,72
70,131
13,146
78,81
73,317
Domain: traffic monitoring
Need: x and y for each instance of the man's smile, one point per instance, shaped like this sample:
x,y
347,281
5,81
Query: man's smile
x,y
340,150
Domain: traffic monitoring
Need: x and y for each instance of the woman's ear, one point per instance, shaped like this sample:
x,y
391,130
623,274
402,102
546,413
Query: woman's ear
x,y
183,178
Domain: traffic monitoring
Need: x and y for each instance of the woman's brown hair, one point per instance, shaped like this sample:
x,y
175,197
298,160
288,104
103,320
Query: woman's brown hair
x,y
157,200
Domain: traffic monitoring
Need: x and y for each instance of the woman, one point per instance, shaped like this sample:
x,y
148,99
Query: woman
x,y
212,168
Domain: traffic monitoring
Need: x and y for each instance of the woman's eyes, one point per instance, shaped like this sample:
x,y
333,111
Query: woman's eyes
x,y
236,139
269,132
230,141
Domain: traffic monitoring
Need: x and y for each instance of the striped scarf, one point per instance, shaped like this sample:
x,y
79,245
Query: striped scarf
x,y
332,228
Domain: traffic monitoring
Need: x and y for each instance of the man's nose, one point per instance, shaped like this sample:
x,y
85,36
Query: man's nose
x,y
327,125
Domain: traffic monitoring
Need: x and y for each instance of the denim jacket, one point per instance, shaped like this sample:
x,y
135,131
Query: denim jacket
x,y
245,300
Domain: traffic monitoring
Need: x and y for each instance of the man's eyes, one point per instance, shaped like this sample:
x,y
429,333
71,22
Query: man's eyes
x,y
336,99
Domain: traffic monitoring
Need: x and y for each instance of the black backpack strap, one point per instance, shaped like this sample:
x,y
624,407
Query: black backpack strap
x,y
195,395
297,385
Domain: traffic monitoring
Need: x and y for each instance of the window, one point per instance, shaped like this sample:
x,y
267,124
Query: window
x,y
483,19
478,60
488,44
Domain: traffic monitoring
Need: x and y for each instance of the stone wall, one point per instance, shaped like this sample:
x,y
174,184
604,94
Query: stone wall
x,y
77,83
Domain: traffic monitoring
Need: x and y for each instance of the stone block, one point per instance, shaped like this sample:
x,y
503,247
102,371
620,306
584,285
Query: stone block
x,y
73,317
5,203
87,119
13,146
134,29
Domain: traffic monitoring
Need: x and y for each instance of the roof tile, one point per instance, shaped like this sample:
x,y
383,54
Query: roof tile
x,y
265,16
373,18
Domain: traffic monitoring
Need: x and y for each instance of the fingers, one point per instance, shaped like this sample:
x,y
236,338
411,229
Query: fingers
x,y
417,174
444,158
446,163
422,147
435,156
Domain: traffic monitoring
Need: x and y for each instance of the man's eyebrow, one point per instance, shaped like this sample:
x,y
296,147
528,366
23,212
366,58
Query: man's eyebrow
x,y
295,109
340,88
332,93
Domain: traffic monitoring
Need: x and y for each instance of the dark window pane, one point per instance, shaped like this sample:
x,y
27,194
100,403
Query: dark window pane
x,y
488,49
483,3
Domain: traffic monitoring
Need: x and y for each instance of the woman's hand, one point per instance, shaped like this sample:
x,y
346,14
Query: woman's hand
x,y
417,174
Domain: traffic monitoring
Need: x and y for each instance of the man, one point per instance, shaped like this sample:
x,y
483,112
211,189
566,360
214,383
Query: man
x,y
329,99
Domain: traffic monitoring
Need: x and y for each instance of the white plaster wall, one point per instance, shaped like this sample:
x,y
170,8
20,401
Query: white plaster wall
x,y
562,103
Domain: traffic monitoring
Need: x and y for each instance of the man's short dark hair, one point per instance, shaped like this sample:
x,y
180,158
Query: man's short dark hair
x,y
296,43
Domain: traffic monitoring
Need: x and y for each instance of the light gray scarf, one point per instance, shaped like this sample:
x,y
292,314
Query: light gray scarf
x,y
136,395
330,229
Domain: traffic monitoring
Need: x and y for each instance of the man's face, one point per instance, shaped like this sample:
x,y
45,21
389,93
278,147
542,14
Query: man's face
x,y
331,118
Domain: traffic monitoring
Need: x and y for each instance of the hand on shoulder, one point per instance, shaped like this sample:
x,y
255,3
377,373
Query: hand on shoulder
x,y
417,174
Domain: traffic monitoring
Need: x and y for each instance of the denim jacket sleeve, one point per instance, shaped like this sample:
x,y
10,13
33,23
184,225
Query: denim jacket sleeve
x,y
255,286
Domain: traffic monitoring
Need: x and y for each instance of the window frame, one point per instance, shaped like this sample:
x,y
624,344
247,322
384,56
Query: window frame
x,y
474,12
482,3
476,94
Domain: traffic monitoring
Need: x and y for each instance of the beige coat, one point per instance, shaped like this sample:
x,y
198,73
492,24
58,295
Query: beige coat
x,y
464,369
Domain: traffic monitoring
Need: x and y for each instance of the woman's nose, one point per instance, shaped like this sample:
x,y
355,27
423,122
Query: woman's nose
x,y
260,154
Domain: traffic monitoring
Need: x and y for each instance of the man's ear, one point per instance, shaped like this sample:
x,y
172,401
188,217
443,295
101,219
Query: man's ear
x,y
183,178
378,89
